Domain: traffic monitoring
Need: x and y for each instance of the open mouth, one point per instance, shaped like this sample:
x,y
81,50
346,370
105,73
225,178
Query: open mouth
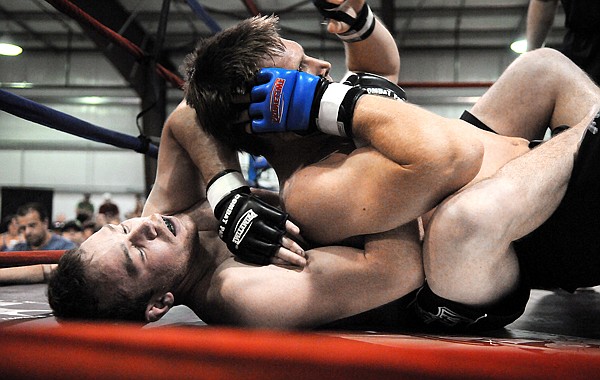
x,y
169,225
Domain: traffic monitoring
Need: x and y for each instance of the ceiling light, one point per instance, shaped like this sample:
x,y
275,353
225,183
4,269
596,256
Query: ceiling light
x,y
519,46
10,49
92,100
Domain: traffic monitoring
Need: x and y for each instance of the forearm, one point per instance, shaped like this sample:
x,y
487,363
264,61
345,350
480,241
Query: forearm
x,y
368,49
30,274
540,17
389,268
377,54
209,155
338,282
188,158
418,139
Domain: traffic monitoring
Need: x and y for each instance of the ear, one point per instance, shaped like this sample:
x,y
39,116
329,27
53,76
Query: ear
x,y
159,306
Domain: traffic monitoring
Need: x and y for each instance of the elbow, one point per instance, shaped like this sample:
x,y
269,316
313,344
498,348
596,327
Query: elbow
x,y
463,164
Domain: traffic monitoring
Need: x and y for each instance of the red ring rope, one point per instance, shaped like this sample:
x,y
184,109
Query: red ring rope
x,y
22,258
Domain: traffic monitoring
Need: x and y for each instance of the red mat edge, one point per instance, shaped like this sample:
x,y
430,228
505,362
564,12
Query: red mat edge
x,y
77,350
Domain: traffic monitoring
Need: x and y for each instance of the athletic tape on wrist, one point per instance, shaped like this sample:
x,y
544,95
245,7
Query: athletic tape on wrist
x,y
329,108
224,185
365,21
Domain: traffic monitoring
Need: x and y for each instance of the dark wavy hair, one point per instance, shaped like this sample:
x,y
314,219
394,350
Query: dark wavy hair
x,y
72,294
33,206
223,66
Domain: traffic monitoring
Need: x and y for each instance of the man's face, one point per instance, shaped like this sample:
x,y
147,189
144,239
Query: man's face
x,y
294,59
33,228
140,254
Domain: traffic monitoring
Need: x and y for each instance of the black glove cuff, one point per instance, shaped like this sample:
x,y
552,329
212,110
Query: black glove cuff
x,y
346,112
376,85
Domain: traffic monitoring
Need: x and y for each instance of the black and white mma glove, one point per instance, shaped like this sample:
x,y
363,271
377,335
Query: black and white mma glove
x,y
251,228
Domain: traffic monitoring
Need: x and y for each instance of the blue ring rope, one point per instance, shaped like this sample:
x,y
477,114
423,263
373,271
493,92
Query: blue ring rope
x,y
37,113
204,16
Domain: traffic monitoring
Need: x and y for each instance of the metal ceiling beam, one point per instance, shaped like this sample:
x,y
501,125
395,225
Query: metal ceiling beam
x,y
111,14
141,75
38,36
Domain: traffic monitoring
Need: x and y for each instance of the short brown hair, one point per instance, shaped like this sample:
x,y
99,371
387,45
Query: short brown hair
x,y
72,295
223,66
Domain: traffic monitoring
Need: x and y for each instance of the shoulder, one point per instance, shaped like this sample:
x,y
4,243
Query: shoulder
x,y
181,116
59,242
242,292
20,247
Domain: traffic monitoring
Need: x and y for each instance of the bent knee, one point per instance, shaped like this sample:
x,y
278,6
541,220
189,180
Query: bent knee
x,y
543,56
472,227
464,216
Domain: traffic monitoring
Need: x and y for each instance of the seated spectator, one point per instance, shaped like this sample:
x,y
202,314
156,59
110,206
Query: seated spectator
x,y
73,230
139,207
57,227
89,228
110,210
10,233
85,209
32,219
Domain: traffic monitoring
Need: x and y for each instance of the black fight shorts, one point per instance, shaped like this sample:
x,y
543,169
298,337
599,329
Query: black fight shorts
x,y
564,252
437,314
395,316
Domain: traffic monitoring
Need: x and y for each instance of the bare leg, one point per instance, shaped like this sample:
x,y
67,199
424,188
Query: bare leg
x,y
468,256
539,89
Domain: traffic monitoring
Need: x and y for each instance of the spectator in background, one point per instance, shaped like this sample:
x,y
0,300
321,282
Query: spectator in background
x,y
109,210
89,228
57,227
581,42
73,230
85,209
33,222
139,207
10,233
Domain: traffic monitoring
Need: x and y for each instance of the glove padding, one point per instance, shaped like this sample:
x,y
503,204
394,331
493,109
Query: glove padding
x,y
376,85
361,26
283,100
251,228
290,100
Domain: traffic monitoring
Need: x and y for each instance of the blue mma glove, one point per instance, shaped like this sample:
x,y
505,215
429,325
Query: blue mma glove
x,y
251,228
361,26
290,100
288,97
376,85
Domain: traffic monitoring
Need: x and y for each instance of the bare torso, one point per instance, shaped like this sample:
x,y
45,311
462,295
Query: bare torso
x,y
375,180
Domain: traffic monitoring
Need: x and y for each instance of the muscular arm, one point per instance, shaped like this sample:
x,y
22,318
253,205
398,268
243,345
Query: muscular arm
x,y
427,162
377,54
416,138
187,159
337,282
540,17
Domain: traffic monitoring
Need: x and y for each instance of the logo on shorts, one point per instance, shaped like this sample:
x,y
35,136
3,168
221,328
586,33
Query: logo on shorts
x,y
276,100
447,317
